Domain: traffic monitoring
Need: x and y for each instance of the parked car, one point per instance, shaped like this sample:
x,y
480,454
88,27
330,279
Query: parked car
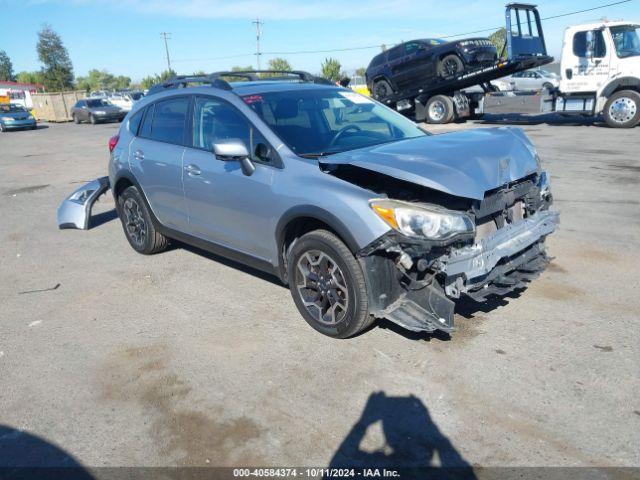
x,y
96,110
533,80
99,94
412,64
362,213
15,117
125,100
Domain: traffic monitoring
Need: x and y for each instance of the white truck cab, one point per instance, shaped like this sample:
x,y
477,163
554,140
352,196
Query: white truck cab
x,y
600,72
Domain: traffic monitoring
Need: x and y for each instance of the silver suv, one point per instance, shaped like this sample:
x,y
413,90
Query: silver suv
x,y
361,212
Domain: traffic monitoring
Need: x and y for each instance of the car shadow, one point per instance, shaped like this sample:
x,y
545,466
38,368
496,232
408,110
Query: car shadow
x,y
24,455
101,218
398,433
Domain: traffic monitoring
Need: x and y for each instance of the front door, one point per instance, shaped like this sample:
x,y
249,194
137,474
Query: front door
x,y
224,205
585,62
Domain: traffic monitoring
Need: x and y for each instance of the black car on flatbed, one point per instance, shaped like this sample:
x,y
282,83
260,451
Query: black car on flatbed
x,y
416,62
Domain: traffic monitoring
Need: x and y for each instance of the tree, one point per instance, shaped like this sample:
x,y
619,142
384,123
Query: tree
x,y
102,80
361,71
29,77
148,82
57,70
241,69
6,67
331,69
279,64
498,39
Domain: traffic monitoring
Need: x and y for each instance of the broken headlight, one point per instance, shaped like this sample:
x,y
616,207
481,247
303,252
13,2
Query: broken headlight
x,y
423,221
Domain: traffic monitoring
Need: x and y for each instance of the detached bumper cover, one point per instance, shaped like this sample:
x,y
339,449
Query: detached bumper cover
x,y
75,210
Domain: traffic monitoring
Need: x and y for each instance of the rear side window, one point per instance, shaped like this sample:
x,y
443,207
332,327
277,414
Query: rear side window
x,y
145,128
378,60
395,53
134,122
169,120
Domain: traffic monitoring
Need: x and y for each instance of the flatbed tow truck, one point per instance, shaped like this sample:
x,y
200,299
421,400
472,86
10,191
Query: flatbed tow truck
x,y
444,100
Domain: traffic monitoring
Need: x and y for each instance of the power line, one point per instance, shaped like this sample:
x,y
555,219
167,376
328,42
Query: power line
x,y
167,36
368,47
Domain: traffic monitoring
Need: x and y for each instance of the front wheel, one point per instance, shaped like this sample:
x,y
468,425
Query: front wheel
x,y
93,119
622,110
450,66
327,285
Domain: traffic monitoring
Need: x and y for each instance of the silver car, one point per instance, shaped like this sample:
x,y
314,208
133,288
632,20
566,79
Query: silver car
x,y
533,80
362,213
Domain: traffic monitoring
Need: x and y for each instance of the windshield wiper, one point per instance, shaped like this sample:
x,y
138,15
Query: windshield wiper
x,y
316,155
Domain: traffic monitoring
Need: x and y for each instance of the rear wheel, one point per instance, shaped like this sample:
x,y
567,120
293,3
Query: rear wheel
x,y
440,109
136,222
622,110
450,66
327,285
381,90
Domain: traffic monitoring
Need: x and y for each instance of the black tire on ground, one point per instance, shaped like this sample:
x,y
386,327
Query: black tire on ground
x,y
381,90
75,118
450,66
622,110
93,119
137,224
343,290
440,109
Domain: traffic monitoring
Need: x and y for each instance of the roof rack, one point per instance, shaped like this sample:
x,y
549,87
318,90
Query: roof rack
x,y
217,79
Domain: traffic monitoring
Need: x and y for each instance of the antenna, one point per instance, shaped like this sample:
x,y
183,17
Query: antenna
x,y
167,36
258,25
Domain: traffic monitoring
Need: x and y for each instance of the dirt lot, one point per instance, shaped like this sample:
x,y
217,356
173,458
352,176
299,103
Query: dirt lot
x,y
185,359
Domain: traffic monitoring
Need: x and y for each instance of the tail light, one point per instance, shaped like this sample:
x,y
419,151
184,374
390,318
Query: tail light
x,y
113,141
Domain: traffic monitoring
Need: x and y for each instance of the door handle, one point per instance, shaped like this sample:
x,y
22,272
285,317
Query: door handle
x,y
138,155
193,170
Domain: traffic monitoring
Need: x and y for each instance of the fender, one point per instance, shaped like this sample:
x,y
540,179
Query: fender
x,y
622,83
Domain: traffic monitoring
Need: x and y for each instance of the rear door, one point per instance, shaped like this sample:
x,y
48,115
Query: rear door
x,y
155,156
224,205
395,63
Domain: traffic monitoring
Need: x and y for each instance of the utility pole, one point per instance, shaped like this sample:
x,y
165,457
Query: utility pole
x,y
167,36
258,25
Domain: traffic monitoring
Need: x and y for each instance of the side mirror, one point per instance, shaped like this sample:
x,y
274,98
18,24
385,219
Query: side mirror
x,y
235,150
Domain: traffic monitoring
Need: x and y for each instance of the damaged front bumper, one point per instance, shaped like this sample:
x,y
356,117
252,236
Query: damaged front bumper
x,y
502,262
75,210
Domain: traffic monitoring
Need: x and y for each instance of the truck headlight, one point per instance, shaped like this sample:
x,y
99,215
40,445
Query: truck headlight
x,y
422,221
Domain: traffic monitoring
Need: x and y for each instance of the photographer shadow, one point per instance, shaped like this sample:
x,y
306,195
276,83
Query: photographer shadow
x,y
398,433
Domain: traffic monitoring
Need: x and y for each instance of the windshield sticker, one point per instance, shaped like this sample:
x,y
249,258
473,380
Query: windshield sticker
x,y
249,99
355,97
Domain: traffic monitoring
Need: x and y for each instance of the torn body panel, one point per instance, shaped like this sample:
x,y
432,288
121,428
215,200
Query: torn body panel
x,y
75,210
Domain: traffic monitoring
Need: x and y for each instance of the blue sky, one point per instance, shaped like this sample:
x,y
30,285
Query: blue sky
x,y
123,36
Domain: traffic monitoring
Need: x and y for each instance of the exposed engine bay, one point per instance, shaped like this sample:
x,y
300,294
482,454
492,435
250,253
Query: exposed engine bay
x,y
415,282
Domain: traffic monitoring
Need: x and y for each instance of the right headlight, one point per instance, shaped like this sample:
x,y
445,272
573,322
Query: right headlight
x,y
422,221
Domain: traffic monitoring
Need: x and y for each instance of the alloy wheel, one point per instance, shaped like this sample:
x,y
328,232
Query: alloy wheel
x,y
322,287
451,67
135,223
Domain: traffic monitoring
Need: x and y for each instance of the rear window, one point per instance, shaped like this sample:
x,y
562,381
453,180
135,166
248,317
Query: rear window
x,y
169,119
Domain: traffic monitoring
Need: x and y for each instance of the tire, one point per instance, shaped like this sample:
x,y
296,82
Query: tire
x,y
381,90
439,109
547,86
93,119
137,224
343,280
450,66
76,120
622,110
2,127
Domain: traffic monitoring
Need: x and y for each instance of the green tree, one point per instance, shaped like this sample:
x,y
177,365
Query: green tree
x,y
279,64
6,67
57,70
102,80
29,77
241,69
361,71
331,69
148,82
498,39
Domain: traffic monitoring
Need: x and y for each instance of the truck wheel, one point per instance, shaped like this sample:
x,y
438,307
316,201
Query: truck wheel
x,y
137,224
440,109
622,110
450,66
381,90
327,285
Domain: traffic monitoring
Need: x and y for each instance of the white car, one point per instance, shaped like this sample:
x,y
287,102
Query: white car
x,y
125,100
533,80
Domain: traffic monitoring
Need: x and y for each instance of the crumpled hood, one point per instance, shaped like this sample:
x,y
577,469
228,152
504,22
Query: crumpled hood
x,y
465,164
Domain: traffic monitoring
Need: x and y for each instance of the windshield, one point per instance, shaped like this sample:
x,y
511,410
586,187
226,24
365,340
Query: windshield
x,y
97,103
323,122
626,38
5,108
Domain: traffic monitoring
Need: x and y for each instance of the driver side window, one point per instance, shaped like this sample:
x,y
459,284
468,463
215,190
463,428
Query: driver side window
x,y
216,121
